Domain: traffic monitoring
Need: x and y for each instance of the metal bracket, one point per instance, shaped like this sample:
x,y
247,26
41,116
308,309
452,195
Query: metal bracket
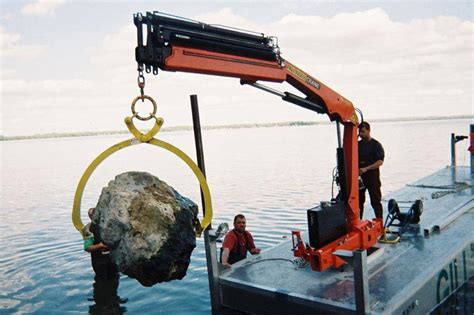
x,y
358,260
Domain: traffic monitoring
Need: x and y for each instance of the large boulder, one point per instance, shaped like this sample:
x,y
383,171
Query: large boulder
x,y
148,226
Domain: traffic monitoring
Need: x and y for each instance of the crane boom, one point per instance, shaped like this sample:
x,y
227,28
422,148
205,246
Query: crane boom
x,y
176,44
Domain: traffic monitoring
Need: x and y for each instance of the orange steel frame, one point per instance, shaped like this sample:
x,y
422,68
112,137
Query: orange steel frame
x,y
362,234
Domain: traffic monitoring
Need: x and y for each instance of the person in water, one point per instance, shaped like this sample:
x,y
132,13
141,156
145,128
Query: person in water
x,y
237,243
100,255
106,280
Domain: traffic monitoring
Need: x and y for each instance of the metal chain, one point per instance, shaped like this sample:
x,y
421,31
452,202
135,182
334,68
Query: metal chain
x,y
141,82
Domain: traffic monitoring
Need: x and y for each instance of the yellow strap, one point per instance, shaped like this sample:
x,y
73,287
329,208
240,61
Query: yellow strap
x,y
384,238
142,138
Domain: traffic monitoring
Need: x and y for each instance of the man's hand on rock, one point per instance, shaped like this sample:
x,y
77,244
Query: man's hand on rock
x,y
255,251
103,247
97,247
227,265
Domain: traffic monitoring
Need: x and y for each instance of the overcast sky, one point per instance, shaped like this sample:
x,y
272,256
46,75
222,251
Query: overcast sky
x,y
69,65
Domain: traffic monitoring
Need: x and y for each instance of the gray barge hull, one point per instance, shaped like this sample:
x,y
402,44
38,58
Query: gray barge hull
x,y
410,277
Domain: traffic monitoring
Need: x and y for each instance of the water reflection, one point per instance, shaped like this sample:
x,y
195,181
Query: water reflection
x,y
105,297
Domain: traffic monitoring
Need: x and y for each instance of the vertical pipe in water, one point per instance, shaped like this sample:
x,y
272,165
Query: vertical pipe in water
x,y
209,240
453,150
471,148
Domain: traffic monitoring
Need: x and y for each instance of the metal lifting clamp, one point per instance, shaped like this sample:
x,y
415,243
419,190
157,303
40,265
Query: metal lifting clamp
x,y
148,138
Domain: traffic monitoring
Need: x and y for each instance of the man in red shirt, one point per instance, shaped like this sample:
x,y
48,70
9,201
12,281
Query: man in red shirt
x,y
237,242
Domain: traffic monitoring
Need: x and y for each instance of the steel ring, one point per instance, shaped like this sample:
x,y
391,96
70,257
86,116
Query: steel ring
x,y
135,114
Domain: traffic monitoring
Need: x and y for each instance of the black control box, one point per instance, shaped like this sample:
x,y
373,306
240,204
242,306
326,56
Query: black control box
x,y
326,223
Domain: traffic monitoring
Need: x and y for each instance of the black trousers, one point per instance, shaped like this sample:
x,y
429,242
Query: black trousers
x,y
372,183
103,266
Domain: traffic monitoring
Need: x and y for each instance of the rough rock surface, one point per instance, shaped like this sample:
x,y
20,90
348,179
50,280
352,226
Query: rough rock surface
x,y
148,226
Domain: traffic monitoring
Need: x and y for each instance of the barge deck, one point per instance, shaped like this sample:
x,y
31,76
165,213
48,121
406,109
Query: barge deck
x,y
431,261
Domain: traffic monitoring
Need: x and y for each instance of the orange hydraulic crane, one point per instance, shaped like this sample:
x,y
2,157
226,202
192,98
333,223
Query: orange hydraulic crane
x,y
177,44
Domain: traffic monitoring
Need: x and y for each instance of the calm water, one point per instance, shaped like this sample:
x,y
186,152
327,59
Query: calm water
x,y
271,175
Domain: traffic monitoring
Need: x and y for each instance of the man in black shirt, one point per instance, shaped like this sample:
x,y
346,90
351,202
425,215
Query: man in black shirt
x,y
371,156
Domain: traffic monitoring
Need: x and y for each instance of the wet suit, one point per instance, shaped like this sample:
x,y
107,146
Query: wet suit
x,y
238,245
370,152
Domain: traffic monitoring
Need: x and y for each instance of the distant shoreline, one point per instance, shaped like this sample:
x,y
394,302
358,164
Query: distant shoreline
x,y
234,126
